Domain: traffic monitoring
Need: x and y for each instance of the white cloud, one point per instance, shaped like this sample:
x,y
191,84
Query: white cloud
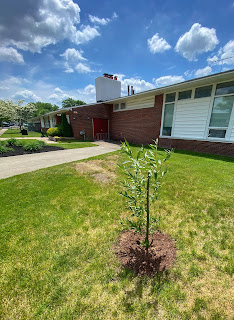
x,y
196,41
114,16
86,34
87,94
82,68
157,45
4,88
73,55
203,72
58,90
33,25
102,21
11,55
138,84
167,80
26,95
225,55
68,68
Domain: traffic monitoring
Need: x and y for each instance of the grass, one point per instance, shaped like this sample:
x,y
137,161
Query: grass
x,y
58,228
73,144
13,133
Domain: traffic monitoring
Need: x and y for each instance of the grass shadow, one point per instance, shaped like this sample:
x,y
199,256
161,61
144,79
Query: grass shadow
x,y
139,285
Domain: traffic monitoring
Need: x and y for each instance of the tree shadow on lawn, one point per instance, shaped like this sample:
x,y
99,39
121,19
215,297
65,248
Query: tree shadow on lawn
x,y
138,285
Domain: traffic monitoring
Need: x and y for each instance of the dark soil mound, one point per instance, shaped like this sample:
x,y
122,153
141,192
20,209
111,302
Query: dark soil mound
x,y
132,255
19,151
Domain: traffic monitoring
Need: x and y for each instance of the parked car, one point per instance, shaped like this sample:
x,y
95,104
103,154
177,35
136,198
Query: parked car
x,y
6,124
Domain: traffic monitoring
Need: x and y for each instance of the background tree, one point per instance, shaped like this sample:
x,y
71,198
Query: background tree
x,y
43,107
69,102
16,112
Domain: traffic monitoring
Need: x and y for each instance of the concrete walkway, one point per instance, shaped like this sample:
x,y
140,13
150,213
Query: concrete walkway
x,y
11,166
2,131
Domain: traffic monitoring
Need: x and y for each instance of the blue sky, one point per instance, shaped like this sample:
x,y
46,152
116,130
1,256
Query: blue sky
x,y
54,49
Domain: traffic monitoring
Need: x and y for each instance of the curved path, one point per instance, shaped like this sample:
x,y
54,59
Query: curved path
x,y
11,166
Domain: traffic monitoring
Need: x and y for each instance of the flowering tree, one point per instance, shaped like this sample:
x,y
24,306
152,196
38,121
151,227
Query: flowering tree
x,y
16,112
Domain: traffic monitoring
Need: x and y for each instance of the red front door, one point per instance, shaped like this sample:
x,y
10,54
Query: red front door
x,y
100,129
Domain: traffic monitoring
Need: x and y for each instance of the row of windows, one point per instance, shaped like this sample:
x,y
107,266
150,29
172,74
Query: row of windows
x,y
202,92
221,111
119,106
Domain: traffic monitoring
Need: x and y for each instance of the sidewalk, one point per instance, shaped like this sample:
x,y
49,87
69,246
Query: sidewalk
x,y
2,131
11,166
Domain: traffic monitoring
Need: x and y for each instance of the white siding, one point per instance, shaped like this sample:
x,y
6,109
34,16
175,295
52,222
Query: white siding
x,y
147,102
232,133
191,117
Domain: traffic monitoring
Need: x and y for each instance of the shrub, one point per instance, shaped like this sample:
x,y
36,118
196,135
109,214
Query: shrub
x,y
11,142
4,149
33,146
144,173
65,127
54,132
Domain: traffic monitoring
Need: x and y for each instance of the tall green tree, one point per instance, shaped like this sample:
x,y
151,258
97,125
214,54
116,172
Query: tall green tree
x,y
69,102
65,127
43,107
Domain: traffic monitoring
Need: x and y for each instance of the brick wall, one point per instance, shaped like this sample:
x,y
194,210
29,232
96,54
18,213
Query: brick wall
x,y
81,119
219,148
139,126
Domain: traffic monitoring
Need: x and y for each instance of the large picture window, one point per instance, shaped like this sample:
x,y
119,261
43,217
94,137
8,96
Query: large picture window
x,y
221,111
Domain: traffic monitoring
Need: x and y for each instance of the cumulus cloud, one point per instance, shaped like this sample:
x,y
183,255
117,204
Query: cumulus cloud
x,y
203,72
58,96
97,20
11,55
157,45
86,34
72,56
224,56
196,41
138,84
89,90
82,68
33,25
167,80
26,95
102,21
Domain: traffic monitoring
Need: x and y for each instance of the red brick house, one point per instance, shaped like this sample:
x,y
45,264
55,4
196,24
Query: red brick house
x,y
195,115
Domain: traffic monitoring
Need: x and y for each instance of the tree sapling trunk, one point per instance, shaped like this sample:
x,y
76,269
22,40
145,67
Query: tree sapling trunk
x,y
147,213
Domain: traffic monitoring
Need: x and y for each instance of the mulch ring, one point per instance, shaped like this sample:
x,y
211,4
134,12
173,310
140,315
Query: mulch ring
x,y
20,151
132,255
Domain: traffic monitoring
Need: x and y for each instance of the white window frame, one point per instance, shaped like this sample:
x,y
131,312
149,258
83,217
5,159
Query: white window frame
x,y
163,113
119,106
231,120
206,131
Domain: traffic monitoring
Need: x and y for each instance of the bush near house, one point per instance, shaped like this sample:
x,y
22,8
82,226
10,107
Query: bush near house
x,y
54,132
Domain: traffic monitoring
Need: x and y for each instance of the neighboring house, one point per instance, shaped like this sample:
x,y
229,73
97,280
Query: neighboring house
x,y
196,115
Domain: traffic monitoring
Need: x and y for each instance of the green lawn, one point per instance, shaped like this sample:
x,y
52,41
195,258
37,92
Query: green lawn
x,y
58,228
73,144
13,133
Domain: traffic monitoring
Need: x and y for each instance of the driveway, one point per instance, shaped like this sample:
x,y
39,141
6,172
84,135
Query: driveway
x,y
11,166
